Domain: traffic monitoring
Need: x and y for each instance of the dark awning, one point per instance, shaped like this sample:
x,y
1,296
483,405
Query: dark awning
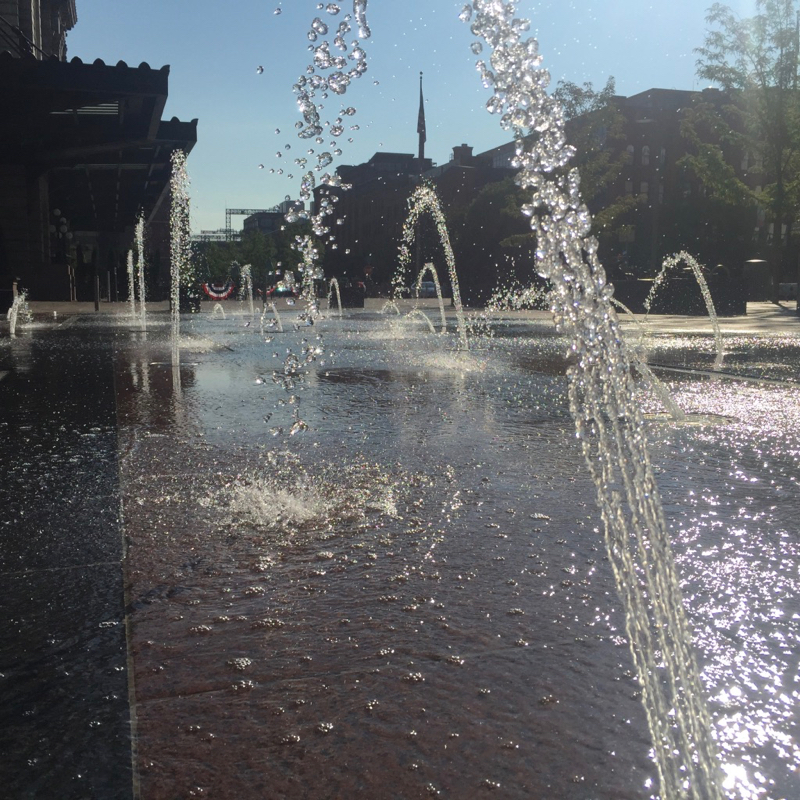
x,y
96,130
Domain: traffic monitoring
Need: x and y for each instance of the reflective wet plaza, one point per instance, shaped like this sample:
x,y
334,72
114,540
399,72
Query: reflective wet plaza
x,y
352,560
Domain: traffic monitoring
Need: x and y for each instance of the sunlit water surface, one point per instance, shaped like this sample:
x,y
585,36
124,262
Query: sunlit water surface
x,y
409,595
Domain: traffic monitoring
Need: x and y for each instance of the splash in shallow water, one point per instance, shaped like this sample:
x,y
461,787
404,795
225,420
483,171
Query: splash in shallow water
x,y
291,498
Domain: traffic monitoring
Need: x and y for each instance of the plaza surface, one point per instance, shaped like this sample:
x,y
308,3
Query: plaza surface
x,y
352,561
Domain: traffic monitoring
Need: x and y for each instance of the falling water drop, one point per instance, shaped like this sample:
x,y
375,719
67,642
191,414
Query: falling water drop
x,y
259,70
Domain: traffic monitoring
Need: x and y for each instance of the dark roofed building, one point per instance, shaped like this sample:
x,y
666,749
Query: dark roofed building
x,y
83,150
371,213
383,167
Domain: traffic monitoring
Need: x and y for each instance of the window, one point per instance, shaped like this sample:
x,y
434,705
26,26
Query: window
x,y
630,153
645,156
629,187
644,189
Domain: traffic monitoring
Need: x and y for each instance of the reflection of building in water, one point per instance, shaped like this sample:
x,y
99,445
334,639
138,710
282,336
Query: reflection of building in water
x,y
153,392
82,150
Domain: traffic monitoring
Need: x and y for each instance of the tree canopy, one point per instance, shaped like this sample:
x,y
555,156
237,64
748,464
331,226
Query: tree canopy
x,y
746,149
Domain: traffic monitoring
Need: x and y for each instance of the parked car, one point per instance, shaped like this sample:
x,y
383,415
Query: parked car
x,y
427,289
281,290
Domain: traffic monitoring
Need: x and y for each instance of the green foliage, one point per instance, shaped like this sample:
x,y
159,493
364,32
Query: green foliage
x,y
755,62
711,135
596,129
265,253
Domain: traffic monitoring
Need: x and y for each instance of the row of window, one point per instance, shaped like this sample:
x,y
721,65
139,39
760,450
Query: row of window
x,y
644,190
644,156
754,165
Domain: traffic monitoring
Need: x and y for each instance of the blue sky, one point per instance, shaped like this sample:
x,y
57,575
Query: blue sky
x,y
214,49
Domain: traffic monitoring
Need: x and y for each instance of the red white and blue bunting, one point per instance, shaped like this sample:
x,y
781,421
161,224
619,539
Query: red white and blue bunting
x,y
219,291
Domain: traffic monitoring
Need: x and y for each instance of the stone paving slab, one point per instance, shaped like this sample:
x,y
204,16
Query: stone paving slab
x,y
65,727
64,730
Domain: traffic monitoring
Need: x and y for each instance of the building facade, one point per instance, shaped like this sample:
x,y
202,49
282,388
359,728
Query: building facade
x,y
83,151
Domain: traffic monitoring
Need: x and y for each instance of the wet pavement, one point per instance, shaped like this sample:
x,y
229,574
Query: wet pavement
x,y
64,712
407,597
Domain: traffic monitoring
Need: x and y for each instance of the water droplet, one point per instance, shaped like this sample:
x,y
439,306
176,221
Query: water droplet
x,y
332,9
261,166
278,10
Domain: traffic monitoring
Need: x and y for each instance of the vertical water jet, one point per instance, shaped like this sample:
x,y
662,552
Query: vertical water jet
x,y
425,200
602,399
140,269
670,263
180,242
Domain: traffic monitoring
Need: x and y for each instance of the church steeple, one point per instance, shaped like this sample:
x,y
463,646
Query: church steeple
x,y
421,126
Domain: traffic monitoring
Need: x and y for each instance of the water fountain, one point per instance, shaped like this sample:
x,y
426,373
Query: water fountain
x,y
638,355
131,286
390,306
516,297
669,264
19,312
602,398
180,242
333,285
430,269
277,317
218,312
415,551
417,313
140,257
425,200
246,289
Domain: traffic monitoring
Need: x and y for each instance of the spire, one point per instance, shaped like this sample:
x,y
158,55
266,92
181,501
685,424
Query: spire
x,y
421,126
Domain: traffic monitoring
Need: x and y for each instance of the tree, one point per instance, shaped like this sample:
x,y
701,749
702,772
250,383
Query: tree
x,y
715,208
492,234
755,61
258,250
596,129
